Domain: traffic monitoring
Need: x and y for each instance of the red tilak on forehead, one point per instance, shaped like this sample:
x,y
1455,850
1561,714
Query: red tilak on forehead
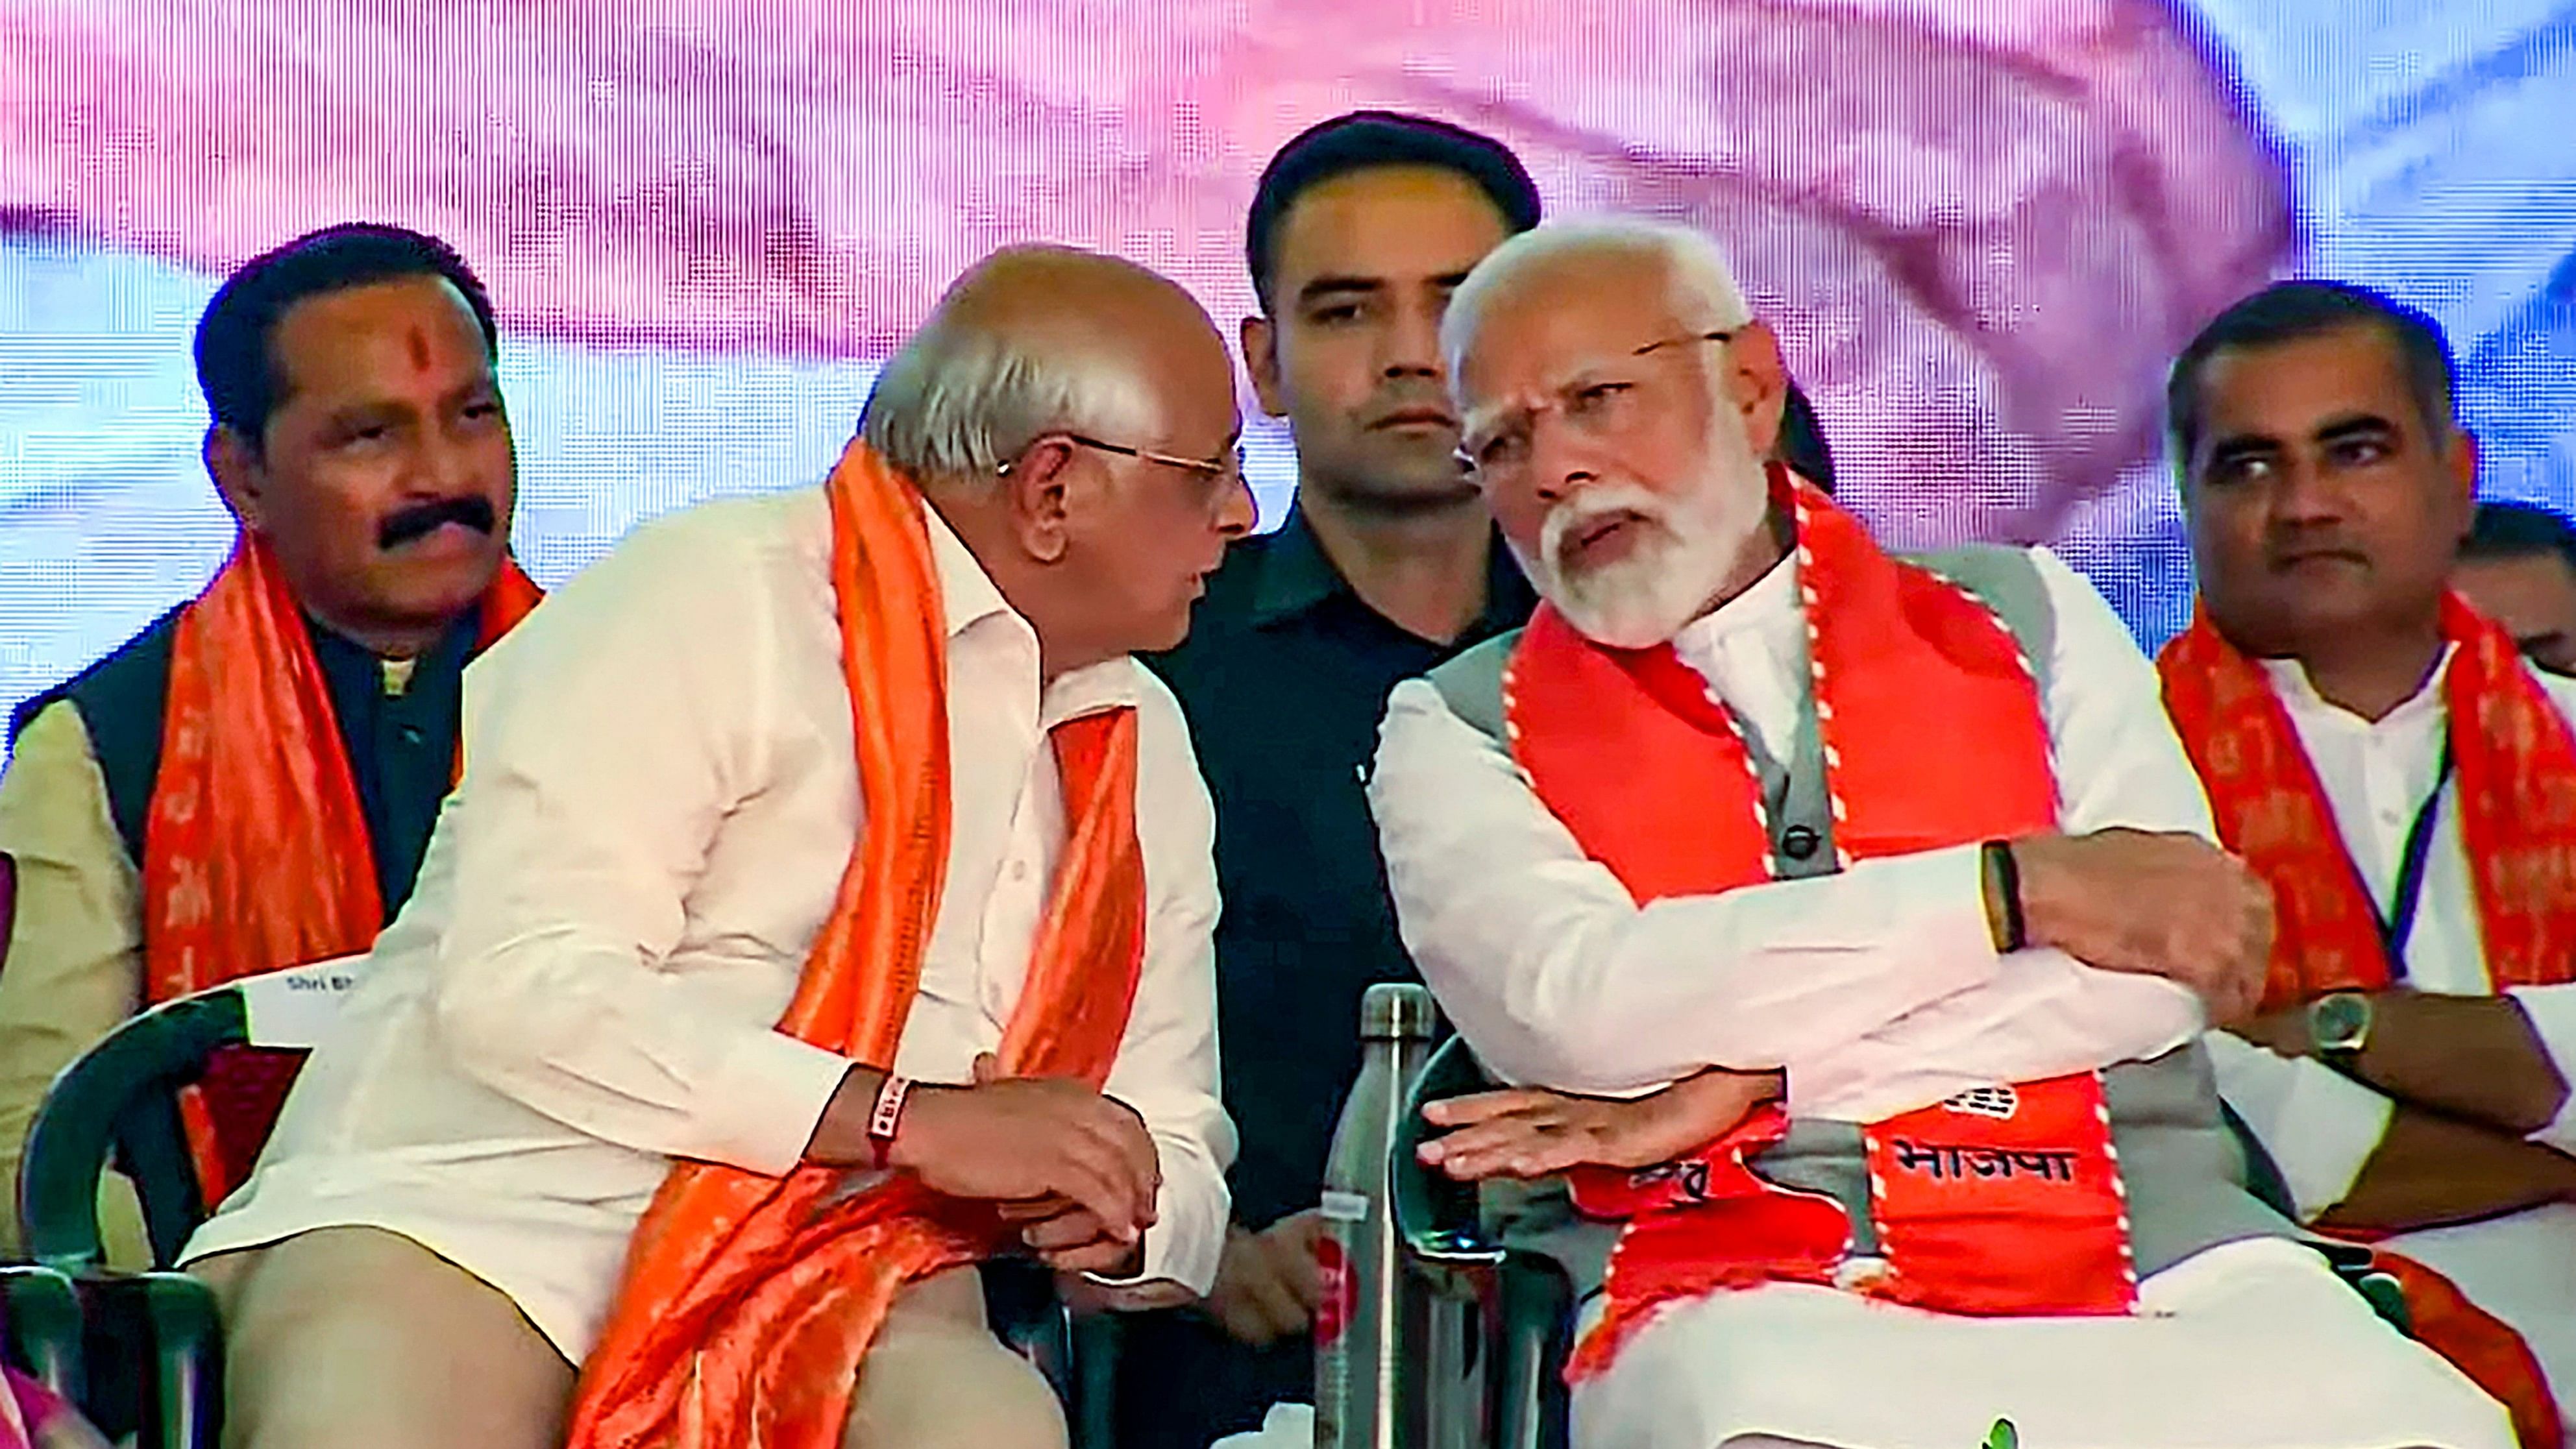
x,y
419,341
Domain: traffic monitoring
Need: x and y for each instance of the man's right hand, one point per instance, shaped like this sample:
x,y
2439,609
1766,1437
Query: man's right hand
x,y
1033,1137
2158,904
1267,1283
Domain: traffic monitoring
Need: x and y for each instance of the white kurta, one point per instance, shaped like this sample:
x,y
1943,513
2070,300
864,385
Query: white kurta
x,y
1878,990
2320,1125
659,799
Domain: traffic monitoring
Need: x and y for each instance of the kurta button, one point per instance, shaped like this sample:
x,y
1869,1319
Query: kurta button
x,y
1798,842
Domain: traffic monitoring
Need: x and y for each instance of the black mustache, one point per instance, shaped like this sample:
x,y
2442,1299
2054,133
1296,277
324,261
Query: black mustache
x,y
471,510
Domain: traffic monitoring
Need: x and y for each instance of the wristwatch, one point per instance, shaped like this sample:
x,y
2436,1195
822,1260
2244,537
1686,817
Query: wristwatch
x,y
2339,1026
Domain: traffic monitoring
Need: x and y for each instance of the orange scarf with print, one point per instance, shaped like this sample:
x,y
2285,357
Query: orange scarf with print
x,y
2516,797
2516,794
2010,1204
255,847
749,1301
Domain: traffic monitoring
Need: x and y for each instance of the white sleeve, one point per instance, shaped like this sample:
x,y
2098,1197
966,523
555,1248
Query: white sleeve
x,y
605,740
1167,1064
2046,1014
2552,1011
1561,979
2319,1125
2119,762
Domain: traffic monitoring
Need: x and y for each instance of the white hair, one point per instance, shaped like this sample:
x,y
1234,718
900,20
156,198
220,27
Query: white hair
x,y
1687,540
1694,269
959,402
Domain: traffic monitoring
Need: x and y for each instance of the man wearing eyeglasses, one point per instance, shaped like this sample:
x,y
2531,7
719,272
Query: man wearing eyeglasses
x,y
1859,914
825,908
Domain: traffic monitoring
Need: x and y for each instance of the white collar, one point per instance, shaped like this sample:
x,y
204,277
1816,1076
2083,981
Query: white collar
x,y
2298,694
1769,607
968,597
967,594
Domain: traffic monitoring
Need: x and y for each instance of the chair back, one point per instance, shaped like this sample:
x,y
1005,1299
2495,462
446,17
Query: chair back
x,y
1524,1302
120,1102
1435,1215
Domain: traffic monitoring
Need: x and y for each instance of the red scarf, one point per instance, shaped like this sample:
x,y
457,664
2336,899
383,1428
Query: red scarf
x,y
2516,770
749,1301
1653,779
255,848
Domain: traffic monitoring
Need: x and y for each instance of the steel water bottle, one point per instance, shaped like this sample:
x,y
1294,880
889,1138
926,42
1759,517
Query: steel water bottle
x,y
1371,1313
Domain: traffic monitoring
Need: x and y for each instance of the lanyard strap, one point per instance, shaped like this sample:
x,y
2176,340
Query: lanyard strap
x,y
2397,923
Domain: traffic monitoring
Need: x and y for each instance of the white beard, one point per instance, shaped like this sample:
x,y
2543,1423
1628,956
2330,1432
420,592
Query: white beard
x,y
1689,547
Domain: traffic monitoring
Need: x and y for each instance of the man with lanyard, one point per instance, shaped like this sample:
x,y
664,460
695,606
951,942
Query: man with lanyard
x,y
1758,809
2383,756
789,804
249,782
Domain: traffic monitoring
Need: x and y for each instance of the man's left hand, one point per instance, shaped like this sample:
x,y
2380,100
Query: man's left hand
x,y
1528,1133
2478,1058
1074,1240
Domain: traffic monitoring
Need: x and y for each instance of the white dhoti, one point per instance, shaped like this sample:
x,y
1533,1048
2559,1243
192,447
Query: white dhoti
x,y
2253,1345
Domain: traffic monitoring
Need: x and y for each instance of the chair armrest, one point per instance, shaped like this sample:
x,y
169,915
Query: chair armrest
x,y
2386,1295
42,1312
1435,1215
2358,1266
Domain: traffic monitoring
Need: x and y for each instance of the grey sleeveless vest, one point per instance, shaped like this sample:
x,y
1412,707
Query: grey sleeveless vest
x,y
2184,1173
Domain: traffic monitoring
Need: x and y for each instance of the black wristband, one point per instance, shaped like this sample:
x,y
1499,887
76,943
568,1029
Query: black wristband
x,y
2005,872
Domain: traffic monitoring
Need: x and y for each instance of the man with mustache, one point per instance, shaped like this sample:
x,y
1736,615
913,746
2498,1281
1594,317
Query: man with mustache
x,y
249,782
2386,759
1897,855
826,909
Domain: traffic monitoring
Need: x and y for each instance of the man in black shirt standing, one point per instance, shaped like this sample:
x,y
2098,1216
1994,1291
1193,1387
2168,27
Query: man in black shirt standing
x,y
1387,566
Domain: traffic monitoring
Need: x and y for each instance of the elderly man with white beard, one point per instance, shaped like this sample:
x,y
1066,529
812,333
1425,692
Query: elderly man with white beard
x,y
1846,924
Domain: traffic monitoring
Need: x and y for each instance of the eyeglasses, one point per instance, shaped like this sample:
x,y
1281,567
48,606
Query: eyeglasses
x,y
1598,401
1225,470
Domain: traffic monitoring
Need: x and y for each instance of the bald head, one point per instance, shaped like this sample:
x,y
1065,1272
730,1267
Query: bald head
x,y
1071,418
1033,340
1061,297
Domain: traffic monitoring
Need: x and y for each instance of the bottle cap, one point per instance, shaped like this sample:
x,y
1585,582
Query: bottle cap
x,y
1399,1011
